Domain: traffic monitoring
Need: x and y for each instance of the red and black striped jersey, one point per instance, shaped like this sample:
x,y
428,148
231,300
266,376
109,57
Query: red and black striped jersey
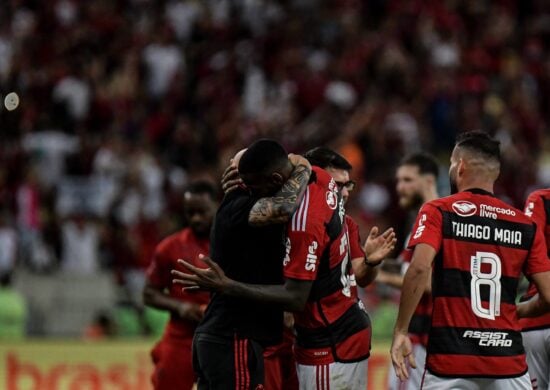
x,y
482,246
537,207
419,327
333,326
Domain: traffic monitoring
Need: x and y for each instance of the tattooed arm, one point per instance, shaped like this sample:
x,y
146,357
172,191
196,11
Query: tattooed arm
x,y
280,207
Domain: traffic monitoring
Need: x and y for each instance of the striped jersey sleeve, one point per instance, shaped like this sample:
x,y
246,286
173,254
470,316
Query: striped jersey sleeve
x,y
307,239
427,228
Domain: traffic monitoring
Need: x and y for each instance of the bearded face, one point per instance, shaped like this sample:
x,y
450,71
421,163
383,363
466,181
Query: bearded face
x,y
409,187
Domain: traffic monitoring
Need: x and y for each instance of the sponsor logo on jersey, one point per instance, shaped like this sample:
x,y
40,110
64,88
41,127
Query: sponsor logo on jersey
x,y
341,210
420,229
332,185
361,305
332,199
529,209
352,281
311,258
287,254
488,339
492,211
464,208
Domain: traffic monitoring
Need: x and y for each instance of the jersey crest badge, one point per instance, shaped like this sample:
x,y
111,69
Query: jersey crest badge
x,y
464,208
287,252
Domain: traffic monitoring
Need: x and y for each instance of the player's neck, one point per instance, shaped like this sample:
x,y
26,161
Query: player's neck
x,y
482,185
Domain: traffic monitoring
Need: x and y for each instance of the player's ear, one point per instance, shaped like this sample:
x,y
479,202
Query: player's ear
x,y
461,167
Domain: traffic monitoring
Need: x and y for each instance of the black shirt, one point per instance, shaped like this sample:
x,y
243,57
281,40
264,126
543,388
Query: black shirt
x,y
250,255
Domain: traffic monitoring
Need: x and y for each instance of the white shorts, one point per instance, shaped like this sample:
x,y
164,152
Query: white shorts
x,y
345,376
537,349
432,382
415,374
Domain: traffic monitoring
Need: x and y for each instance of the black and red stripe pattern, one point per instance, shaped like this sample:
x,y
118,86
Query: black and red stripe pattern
x,y
333,327
480,256
242,372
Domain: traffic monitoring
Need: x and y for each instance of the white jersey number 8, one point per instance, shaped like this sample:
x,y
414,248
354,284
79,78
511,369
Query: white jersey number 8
x,y
490,279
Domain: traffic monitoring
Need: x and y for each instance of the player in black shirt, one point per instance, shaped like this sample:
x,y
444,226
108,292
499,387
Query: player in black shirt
x,y
249,225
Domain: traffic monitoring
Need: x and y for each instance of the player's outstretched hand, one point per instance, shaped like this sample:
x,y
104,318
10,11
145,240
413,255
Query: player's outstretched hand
x,y
212,278
230,178
401,352
378,246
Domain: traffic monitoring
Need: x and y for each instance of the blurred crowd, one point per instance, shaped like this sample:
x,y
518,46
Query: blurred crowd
x,y
123,102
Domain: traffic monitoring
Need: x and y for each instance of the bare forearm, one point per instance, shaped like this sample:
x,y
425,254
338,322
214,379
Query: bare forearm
x,y
533,308
413,287
291,300
157,299
280,207
364,274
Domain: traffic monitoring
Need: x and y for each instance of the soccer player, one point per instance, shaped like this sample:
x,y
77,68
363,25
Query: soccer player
x,y
416,184
339,168
536,331
478,246
248,243
279,363
333,329
172,355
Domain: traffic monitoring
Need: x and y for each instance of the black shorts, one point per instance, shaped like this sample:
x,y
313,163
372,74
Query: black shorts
x,y
222,363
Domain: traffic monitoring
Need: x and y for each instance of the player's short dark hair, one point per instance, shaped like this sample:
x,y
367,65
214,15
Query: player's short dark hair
x,y
327,158
481,143
200,187
425,162
263,157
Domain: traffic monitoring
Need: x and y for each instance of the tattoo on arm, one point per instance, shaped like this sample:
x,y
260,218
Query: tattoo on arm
x,y
280,207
